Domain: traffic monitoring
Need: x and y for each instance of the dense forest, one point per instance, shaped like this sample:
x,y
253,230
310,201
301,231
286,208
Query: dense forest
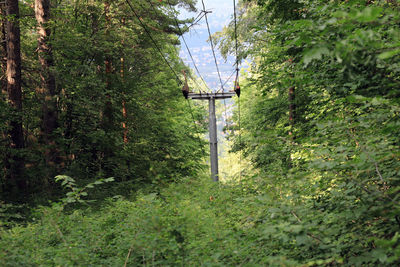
x,y
104,162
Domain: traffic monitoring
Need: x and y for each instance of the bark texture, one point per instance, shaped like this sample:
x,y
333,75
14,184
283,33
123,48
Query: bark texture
x,y
3,51
13,73
108,110
48,82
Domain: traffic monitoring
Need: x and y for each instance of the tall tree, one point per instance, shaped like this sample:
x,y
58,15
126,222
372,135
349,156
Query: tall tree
x,y
48,82
3,79
108,112
3,49
13,73
122,73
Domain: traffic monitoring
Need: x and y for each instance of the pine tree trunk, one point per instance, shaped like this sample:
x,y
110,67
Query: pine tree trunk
x,y
15,180
48,82
3,81
3,51
124,111
108,112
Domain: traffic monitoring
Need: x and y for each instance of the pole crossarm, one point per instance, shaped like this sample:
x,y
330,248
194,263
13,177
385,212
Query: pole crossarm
x,y
207,96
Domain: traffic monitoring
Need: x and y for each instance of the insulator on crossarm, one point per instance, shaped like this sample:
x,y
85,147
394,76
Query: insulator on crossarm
x,y
237,89
185,88
185,91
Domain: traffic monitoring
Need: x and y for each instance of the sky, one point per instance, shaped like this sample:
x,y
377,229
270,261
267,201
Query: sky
x,y
222,13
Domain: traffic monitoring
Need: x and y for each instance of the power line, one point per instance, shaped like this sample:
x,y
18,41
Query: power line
x,y
194,122
226,117
176,49
227,80
237,87
195,21
154,42
215,59
236,39
169,65
236,45
240,144
187,48
194,63
212,45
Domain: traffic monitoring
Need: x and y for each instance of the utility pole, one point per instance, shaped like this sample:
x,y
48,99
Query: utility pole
x,y
211,97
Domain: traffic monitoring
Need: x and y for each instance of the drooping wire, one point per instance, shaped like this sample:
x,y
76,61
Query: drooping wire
x,y
237,85
195,125
195,21
169,65
236,44
236,39
187,48
196,18
212,46
226,116
215,60
177,51
240,144
227,80
152,39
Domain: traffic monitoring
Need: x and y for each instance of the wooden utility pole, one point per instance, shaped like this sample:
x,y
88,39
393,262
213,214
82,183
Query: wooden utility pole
x,y
211,97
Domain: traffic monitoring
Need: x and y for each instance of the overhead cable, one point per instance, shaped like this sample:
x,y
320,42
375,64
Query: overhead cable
x,y
237,87
195,125
176,49
152,39
187,48
169,65
212,45
227,80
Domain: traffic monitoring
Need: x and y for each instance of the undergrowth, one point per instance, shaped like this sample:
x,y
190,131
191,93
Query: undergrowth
x,y
201,223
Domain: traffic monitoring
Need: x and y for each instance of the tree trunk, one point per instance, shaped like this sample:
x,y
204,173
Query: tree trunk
x,y
48,82
108,112
14,91
3,80
3,49
124,111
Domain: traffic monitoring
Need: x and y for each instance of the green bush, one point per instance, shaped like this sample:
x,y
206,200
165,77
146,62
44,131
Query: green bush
x,y
199,222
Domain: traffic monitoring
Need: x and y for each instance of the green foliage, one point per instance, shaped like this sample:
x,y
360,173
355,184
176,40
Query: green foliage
x,y
323,188
75,194
161,141
10,214
199,222
334,168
